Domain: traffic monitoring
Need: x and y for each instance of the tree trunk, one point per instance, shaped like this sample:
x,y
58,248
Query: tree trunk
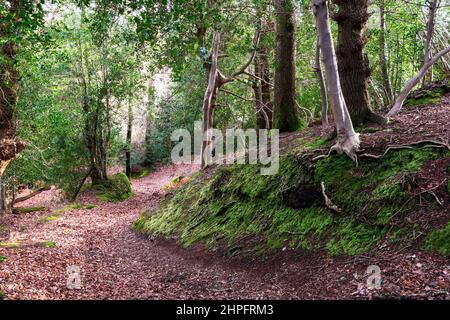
x,y
323,89
286,118
96,116
347,139
261,85
414,81
10,146
382,55
429,37
129,135
353,63
209,99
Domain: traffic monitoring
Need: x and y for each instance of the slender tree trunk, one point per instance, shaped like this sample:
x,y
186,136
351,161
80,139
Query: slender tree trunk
x,y
261,118
210,98
353,63
382,55
286,117
94,124
347,139
428,61
323,89
10,146
217,80
261,85
414,81
129,135
429,37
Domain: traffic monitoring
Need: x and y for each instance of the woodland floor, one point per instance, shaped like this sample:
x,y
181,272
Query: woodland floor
x,y
118,263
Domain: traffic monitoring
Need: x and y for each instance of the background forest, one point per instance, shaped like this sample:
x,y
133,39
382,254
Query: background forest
x,y
95,64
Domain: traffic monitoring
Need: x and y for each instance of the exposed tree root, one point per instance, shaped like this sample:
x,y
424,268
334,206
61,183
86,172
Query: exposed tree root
x,y
330,205
435,144
347,145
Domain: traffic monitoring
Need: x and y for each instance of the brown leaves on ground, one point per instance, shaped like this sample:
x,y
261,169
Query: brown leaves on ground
x,y
118,263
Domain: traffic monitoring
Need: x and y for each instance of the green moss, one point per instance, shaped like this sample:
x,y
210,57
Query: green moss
x,y
316,144
29,209
47,244
69,207
118,189
353,238
399,235
50,218
439,241
9,245
427,98
375,184
90,206
237,204
3,259
141,174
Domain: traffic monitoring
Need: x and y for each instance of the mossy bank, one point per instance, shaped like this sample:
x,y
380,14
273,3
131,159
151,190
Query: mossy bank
x,y
242,211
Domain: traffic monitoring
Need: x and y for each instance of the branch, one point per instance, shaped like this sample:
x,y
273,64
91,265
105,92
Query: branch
x,y
250,60
31,195
236,95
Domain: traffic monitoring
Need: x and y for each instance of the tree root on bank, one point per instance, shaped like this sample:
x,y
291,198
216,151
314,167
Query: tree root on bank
x,y
330,205
348,145
432,144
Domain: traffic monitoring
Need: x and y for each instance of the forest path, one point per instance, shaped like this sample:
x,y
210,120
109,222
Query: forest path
x,y
115,261
118,263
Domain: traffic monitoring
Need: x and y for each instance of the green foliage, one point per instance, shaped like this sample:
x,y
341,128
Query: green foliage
x,y
439,241
3,259
58,109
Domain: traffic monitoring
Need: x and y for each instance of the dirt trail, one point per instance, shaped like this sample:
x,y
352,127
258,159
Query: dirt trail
x,y
118,263
115,261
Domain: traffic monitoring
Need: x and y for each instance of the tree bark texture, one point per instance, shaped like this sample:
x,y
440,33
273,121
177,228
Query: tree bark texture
x,y
286,117
353,62
347,139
